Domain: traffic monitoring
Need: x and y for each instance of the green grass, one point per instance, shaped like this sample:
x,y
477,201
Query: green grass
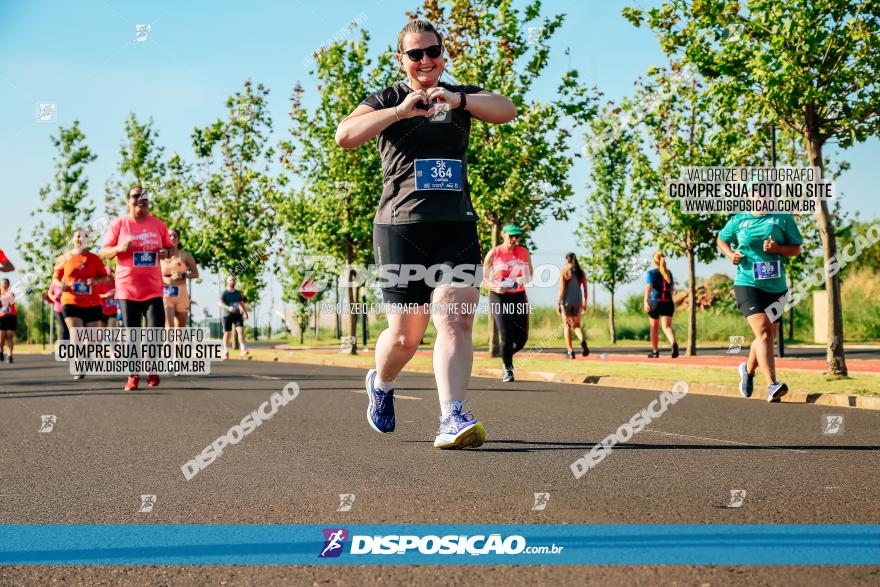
x,y
806,381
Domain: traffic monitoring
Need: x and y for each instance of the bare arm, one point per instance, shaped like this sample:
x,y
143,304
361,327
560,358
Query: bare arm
x,y
191,266
490,107
734,256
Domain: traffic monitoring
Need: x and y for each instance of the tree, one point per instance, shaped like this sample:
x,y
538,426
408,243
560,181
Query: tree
x,y
611,230
331,212
685,128
517,171
65,206
140,164
811,65
300,267
233,205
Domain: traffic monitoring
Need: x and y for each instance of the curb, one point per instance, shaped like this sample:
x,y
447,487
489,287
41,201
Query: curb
x,y
838,400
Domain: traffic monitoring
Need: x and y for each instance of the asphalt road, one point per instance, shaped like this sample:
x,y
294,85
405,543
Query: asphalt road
x,y
109,447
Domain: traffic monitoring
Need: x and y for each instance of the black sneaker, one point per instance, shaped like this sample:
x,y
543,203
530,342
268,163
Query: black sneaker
x,y
78,377
570,354
654,355
508,375
585,350
2,356
9,359
674,350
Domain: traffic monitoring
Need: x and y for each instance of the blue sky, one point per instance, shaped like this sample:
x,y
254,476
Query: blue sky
x,y
82,56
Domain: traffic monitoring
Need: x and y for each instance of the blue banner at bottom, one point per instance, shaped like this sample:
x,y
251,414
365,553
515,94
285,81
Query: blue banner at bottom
x,y
263,544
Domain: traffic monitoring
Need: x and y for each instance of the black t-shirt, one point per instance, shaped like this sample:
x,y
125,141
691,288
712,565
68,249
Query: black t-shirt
x,y
418,138
231,298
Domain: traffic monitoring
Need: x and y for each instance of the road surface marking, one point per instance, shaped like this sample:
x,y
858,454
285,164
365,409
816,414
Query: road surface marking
x,y
719,440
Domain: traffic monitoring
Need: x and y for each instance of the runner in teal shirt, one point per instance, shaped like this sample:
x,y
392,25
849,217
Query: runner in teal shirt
x,y
746,234
759,246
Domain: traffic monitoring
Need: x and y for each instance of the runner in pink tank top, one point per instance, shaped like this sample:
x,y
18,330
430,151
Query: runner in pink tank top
x,y
506,270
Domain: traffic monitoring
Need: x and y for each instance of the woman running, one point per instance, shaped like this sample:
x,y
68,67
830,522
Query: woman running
x,y
107,294
8,321
138,241
54,296
506,270
763,243
78,278
572,303
425,219
659,306
175,271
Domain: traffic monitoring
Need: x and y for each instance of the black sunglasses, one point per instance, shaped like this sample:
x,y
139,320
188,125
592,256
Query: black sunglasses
x,y
434,51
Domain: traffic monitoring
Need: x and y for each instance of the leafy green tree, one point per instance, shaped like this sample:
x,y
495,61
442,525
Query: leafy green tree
x,y
233,211
811,65
331,211
516,171
684,128
611,231
140,163
65,207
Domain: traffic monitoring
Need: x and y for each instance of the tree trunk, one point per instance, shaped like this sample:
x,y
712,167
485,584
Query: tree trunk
x,y
791,325
494,342
834,354
352,310
611,328
692,303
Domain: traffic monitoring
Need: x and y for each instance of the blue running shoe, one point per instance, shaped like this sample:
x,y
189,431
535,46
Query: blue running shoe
x,y
746,381
459,430
380,411
775,391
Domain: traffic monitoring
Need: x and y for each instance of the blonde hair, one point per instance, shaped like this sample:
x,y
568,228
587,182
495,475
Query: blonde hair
x,y
660,261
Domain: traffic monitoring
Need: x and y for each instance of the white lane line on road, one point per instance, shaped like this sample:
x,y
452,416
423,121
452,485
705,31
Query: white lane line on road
x,y
265,377
395,395
716,440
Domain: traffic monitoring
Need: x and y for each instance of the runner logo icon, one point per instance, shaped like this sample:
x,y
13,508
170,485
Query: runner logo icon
x,y
333,541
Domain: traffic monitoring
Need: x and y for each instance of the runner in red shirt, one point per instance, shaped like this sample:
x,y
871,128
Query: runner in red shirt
x,y
107,293
139,241
5,265
79,277
8,320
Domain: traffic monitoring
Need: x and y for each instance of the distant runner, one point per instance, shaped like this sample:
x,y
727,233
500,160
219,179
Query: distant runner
x,y
175,271
659,306
572,303
107,294
763,243
8,321
506,269
234,314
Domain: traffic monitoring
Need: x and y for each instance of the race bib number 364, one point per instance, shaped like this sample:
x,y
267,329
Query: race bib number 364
x,y
438,174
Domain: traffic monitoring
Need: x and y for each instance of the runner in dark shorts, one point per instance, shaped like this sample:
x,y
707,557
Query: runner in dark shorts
x,y
423,128
659,305
759,245
572,303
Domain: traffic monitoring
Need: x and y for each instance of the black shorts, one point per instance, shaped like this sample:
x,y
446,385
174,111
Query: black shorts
x,y
444,253
9,322
231,320
752,300
658,309
86,314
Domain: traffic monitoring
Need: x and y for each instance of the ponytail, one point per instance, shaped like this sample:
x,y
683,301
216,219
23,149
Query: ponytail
x,y
660,260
